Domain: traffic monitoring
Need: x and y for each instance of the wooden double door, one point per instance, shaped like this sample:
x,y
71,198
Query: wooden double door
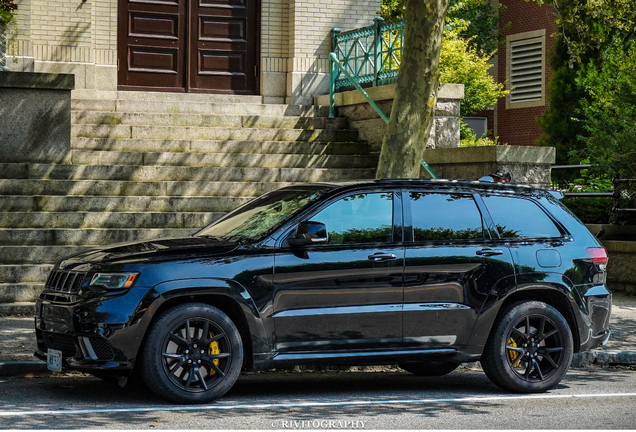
x,y
199,46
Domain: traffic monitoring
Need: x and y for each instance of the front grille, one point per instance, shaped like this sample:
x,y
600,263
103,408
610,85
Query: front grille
x,y
102,348
60,342
65,281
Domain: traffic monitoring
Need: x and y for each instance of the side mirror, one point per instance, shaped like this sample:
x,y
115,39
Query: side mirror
x,y
309,233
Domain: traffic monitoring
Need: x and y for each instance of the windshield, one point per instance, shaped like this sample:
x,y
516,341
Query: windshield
x,y
262,215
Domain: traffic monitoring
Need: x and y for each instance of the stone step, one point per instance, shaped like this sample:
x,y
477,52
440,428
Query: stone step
x,y
17,309
51,203
38,254
180,173
164,96
84,237
135,188
210,133
206,120
89,157
209,108
219,146
24,273
190,220
20,292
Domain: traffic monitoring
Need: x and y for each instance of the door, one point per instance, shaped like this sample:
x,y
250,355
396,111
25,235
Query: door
x,y
151,45
451,265
204,46
346,294
535,240
223,46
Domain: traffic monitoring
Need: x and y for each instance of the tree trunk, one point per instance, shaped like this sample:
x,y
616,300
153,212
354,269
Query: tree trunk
x,y
416,91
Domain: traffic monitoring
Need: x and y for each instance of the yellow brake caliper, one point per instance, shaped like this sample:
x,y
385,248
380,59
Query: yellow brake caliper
x,y
513,354
214,349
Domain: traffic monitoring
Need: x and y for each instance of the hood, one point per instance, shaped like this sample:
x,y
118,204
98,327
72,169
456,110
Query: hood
x,y
151,250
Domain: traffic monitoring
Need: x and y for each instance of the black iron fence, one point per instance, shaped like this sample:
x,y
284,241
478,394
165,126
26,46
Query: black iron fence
x,y
623,195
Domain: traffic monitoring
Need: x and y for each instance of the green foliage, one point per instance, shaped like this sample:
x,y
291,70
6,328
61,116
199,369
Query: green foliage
x,y
589,24
7,7
590,210
460,63
561,122
474,20
609,110
468,138
7,18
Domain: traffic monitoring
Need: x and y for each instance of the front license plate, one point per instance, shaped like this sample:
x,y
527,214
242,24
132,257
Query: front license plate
x,y
54,360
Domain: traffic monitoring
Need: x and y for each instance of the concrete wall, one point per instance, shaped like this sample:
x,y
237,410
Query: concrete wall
x,y
35,117
351,104
620,242
71,36
528,165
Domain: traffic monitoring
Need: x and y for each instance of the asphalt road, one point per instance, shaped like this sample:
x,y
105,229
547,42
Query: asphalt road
x,y
586,399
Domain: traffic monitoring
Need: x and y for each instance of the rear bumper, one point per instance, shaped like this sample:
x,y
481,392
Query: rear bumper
x,y
594,319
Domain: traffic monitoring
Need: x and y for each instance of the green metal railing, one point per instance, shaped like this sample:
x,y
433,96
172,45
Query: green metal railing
x,y
368,56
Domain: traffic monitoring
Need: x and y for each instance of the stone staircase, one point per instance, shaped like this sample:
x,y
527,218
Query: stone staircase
x,y
149,165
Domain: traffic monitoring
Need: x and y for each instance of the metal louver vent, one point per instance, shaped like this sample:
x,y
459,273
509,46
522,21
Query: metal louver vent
x,y
526,70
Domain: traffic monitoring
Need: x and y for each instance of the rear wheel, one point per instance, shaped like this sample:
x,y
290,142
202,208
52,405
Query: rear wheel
x,y
429,368
529,349
193,354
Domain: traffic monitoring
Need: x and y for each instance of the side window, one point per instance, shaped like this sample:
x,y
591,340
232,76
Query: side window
x,y
360,218
519,218
442,216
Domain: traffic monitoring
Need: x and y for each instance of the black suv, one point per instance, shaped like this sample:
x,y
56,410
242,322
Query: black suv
x,y
425,274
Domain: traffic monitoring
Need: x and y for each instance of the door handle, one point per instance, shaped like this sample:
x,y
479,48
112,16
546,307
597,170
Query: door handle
x,y
379,257
489,252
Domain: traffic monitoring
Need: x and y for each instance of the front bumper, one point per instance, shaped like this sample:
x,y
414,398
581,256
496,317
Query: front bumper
x,y
93,335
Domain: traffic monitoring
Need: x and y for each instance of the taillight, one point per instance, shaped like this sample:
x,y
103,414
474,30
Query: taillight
x,y
598,255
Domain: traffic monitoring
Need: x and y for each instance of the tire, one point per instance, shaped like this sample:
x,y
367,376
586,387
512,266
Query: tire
x,y
181,363
529,349
429,368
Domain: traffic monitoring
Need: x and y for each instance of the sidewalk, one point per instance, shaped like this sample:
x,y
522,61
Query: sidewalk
x,y
17,342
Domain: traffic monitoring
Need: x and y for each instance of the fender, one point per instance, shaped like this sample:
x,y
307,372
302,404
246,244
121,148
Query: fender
x,y
170,290
539,281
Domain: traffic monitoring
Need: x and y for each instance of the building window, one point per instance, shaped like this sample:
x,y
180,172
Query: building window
x,y
526,69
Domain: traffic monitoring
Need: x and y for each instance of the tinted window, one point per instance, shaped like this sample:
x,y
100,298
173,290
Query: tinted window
x,y
360,218
437,216
519,218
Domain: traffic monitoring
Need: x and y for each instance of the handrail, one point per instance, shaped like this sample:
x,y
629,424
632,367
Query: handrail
x,y
373,55
336,62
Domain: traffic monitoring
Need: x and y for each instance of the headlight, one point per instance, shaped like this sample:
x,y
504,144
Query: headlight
x,y
113,281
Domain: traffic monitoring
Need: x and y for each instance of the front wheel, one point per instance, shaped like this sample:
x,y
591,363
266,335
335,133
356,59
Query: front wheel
x,y
529,349
193,354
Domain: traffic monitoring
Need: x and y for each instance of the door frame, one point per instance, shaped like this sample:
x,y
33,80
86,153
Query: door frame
x,y
122,25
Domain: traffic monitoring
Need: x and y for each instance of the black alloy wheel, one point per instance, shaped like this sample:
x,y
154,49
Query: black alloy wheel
x,y
193,354
429,367
529,349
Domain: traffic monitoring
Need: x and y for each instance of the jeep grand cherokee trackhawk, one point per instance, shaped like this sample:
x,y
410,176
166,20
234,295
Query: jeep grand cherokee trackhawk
x,y
423,273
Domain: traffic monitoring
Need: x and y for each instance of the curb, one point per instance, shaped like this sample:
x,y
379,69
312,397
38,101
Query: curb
x,y
20,368
603,358
580,360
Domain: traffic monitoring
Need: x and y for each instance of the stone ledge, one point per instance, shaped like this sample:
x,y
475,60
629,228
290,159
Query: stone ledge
x,y
511,154
386,92
618,246
32,80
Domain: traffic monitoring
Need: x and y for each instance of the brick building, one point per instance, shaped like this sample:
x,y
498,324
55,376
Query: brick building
x,y
274,48
522,64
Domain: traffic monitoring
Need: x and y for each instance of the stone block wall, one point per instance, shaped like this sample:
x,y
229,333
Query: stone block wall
x,y
351,104
35,117
80,37
74,37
